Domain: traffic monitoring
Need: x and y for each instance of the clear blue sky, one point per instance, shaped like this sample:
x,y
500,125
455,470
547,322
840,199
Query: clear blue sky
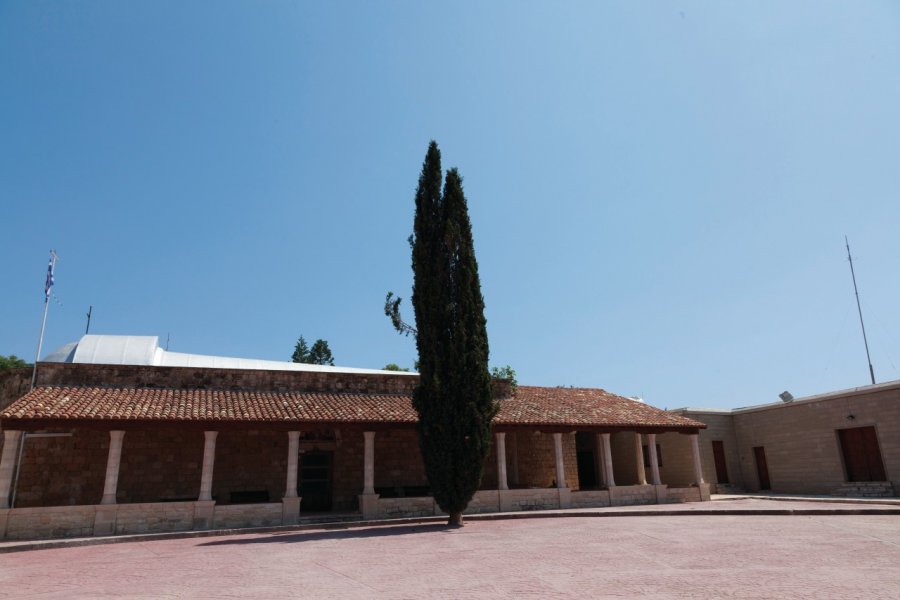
x,y
659,191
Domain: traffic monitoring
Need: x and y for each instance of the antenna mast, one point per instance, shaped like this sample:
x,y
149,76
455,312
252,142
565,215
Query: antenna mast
x,y
90,310
859,309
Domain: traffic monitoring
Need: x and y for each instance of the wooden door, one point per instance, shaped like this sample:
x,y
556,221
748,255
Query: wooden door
x,y
862,456
762,469
721,465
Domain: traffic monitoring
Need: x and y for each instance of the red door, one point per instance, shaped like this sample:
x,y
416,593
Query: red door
x,y
862,456
762,469
719,457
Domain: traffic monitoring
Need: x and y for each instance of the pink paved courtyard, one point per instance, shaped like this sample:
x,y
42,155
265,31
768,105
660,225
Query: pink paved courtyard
x,y
719,556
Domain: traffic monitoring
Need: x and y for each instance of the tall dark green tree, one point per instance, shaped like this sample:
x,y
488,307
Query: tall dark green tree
x,y
319,354
453,399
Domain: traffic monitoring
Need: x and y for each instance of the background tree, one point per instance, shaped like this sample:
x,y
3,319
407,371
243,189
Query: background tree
x,y
453,399
394,367
12,362
319,354
506,372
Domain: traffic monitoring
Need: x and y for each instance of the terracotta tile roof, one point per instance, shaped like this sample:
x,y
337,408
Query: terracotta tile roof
x,y
531,406
583,406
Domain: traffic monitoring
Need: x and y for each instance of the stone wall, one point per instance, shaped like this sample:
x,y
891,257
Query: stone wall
x,y
679,467
624,458
66,374
398,462
590,499
154,517
537,462
390,508
247,515
63,471
249,461
484,501
683,494
348,470
14,383
801,443
529,499
160,466
627,495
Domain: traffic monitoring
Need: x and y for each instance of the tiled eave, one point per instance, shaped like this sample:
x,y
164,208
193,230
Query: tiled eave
x,y
545,409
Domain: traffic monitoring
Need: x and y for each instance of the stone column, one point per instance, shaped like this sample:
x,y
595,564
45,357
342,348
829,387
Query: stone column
x,y
607,461
368,500
290,488
290,503
600,468
11,438
695,448
369,463
565,495
112,467
654,460
209,461
514,458
501,462
639,457
560,464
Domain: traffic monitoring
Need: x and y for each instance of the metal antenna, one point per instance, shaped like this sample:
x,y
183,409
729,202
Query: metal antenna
x,y
90,310
859,308
167,342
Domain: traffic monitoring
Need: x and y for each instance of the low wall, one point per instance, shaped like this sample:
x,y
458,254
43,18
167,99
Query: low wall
x,y
590,498
154,517
627,495
390,508
247,515
47,522
484,501
529,499
686,494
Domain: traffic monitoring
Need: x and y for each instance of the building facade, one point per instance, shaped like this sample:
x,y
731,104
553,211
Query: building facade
x,y
102,449
843,443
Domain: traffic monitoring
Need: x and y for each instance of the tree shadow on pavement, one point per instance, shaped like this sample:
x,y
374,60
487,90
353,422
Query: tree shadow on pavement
x,y
335,534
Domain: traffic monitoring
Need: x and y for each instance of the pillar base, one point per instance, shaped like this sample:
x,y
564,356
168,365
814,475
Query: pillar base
x,y
105,519
204,511
661,493
368,506
704,492
290,510
565,497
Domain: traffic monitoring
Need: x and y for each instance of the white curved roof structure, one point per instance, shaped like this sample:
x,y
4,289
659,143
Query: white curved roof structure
x,y
145,350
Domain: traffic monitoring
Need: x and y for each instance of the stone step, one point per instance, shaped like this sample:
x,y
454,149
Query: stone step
x,y
865,489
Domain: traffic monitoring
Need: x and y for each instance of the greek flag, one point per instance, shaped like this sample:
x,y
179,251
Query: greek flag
x,y
49,283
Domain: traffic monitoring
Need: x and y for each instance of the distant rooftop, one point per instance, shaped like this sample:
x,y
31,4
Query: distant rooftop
x,y
145,350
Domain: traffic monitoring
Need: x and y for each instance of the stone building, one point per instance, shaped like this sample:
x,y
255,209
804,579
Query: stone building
x,y
120,436
843,443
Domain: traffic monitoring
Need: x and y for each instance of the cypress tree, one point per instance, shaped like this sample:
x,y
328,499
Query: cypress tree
x,y
453,399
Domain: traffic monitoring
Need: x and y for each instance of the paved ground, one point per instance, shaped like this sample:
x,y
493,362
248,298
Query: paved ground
x,y
662,556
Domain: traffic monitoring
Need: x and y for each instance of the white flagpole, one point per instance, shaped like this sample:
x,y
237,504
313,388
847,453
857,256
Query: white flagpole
x,y
47,288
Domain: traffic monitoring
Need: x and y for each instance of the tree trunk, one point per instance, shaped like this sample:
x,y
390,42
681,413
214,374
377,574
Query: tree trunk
x,y
455,520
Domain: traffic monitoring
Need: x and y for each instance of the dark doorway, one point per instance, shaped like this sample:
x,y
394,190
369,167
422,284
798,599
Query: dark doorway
x,y
587,465
721,464
862,456
762,469
315,481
